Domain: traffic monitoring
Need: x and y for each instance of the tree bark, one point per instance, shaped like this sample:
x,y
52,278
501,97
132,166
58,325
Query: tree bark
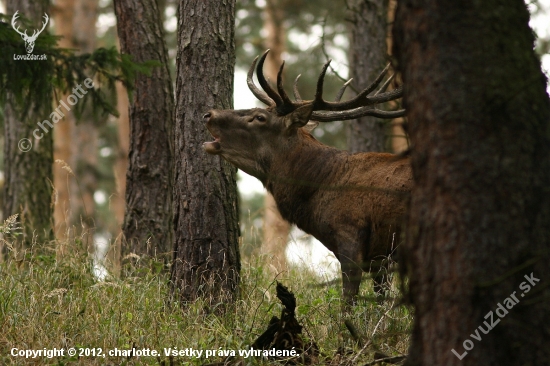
x,y
118,203
275,228
64,20
399,138
28,175
479,224
148,226
84,135
206,259
75,204
368,57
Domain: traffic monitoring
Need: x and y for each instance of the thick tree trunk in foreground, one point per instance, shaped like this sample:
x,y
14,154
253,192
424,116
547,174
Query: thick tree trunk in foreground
x,y
28,175
368,57
148,220
206,259
478,235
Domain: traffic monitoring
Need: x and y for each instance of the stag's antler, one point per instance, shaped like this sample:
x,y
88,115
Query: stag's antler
x,y
325,111
13,19
35,33
274,99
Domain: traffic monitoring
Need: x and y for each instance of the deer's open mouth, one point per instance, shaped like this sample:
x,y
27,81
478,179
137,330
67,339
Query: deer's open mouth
x,y
212,147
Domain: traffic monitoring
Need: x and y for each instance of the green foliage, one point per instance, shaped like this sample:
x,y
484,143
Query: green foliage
x,y
32,83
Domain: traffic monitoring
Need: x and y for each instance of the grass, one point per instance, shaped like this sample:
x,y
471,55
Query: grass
x,y
47,303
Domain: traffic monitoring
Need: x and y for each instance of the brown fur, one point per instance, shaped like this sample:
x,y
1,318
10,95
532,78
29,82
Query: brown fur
x,y
352,203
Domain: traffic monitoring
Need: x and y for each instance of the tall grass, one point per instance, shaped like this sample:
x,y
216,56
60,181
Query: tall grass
x,y
49,302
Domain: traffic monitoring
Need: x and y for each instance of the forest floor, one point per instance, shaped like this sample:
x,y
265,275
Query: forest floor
x,y
50,306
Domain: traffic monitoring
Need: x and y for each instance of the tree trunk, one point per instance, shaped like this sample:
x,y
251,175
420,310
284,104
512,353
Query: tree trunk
x,y
477,251
206,259
120,168
123,147
148,226
28,175
85,135
75,205
275,228
368,57
64,20
399,139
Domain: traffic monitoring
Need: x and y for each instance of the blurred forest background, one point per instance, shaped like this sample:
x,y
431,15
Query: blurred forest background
x,y
95,162
92,152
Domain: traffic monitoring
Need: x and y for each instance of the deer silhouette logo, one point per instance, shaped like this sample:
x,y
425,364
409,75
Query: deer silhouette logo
x,y
29,40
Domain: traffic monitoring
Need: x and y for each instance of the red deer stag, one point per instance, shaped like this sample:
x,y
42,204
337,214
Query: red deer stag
x,y
352,203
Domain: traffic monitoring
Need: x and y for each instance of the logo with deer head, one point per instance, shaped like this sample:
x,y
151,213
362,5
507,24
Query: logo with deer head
x,y
29,40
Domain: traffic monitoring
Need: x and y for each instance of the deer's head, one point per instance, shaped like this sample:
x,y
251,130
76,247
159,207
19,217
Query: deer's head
x,y
251,138
29,40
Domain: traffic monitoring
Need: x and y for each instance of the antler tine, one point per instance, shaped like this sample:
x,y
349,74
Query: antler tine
x,y
13,19
260,94
263,82
366,110
295,89
318,101
45,23
342,90
287,103
385,85
356,102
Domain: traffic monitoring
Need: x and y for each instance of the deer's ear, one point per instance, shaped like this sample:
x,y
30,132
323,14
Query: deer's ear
x,y
300,117
310,126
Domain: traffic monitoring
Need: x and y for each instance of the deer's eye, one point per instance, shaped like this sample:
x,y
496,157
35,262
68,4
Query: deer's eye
x,y
260,118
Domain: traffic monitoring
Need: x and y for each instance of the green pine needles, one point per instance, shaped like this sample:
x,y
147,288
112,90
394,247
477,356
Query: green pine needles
x,y
26,83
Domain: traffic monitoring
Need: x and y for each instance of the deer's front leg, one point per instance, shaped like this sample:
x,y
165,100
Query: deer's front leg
x,y
351,280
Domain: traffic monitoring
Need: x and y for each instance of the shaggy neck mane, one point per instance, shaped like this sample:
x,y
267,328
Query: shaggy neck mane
x,y
299,173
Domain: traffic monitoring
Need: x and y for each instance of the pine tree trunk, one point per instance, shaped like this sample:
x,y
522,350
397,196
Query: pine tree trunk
x,y
368,57
118,203
399,138
477,252
28,175
76,144
148,226
64,20
206,260
85,136
275,228
121,164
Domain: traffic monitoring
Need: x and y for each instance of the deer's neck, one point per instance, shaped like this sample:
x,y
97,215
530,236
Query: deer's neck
x,y
297,175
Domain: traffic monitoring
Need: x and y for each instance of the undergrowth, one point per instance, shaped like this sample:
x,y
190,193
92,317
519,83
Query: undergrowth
x,y
49,301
